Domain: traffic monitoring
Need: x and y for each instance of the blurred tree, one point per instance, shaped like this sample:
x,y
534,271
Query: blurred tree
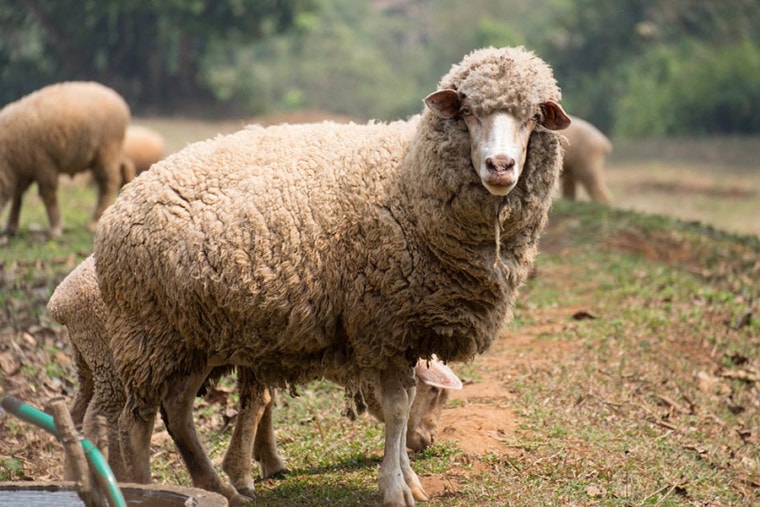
x,y
636,67
692,88
594,45
148,50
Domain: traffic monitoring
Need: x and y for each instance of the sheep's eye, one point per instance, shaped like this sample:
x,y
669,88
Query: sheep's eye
x,y
433,389
466,111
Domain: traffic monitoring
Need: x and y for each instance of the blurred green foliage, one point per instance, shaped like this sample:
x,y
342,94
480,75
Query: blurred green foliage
x,y
633,67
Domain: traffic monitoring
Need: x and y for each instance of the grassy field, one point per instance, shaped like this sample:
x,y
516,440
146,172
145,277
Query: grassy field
x,y
631,375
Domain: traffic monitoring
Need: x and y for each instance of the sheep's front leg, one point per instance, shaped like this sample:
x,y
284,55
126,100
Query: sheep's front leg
x,y
409,475
399,484
11,227
177,412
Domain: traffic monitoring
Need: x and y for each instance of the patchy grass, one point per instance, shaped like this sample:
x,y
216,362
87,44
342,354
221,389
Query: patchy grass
x,y
657,400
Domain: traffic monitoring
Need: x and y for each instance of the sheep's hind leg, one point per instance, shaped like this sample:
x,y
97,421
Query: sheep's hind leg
x,y
135,429
107,177
265,445
398,482
253,436
177,413
48,190
85,390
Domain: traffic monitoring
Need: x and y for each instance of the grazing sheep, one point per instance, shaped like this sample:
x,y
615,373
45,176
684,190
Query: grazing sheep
x,y
584,161
77,304
63,128
324,250
143,147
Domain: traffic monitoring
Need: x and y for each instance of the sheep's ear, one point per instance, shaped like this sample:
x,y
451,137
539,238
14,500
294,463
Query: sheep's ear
x,y
554,117
444,103
435,373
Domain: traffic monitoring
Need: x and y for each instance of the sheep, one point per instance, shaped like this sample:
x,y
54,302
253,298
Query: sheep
x,y
142,148
584,161
326,250
63,128
76,303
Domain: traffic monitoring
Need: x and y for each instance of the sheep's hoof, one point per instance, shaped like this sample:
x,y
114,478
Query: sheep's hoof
x,y
247,491
419,494
277,474
238,499
400,498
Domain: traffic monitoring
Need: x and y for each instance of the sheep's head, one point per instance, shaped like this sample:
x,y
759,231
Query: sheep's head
x,y
434,382
499,140
502,95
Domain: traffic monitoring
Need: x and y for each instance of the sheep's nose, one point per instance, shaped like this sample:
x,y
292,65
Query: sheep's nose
x,y
500,163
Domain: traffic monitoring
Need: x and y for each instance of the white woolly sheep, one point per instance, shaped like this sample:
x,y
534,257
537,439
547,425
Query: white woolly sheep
x,y
324,250
63,128
76,303
584,161
142,148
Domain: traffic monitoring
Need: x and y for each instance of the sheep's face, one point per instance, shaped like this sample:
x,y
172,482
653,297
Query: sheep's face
x,y
434,382
498,140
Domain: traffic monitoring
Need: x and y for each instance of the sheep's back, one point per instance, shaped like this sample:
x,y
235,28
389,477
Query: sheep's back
x,y
586,142
67,124
144,146
76,303
239,239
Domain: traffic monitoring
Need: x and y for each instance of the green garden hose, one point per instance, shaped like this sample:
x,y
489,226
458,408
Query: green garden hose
x,y
97,461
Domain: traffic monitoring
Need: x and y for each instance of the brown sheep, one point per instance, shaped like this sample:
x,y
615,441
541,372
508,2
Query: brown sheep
x,y
584,161
64,128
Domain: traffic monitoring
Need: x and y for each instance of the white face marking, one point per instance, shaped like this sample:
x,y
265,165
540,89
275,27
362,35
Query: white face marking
x,y
498,149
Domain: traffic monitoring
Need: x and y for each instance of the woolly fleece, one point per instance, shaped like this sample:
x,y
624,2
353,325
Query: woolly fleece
x,y
299,250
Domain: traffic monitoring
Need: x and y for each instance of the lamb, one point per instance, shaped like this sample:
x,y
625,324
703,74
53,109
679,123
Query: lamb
x,y
142,148
584,161
63,128
326,250
253,436
76,303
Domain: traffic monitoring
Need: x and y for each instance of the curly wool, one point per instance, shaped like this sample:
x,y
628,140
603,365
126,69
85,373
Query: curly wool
x,y
485,73
303,250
